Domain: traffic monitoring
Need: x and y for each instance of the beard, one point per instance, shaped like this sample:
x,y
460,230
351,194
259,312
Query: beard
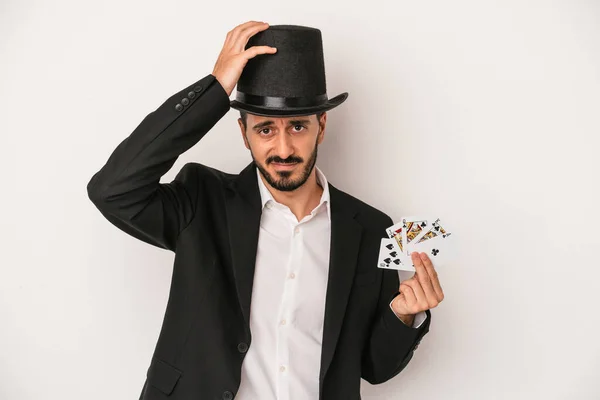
x,y
283,181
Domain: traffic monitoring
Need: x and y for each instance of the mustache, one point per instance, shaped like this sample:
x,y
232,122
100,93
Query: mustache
x,y
289,160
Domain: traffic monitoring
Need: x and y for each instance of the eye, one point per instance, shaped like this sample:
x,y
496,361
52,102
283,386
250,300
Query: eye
x,y
302,126
265,129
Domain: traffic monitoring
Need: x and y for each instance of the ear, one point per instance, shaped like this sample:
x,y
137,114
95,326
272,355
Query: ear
x,y
241,124
322,124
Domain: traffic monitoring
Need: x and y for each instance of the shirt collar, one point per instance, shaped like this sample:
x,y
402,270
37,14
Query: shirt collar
x,y
265,195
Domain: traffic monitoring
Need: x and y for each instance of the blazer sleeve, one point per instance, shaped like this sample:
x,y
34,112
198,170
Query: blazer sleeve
x,y
126,190
392,343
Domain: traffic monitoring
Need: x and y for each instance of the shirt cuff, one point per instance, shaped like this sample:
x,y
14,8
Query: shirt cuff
x,y
418,320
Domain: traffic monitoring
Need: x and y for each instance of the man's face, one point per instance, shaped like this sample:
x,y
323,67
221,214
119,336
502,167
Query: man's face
x,y
284,148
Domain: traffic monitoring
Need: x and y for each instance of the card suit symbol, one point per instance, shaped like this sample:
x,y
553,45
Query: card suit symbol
x,y
423,224
383,265
387,260
435,252
397,261
394,254
389,246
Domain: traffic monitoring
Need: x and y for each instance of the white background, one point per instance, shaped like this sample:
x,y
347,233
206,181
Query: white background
x,y
483,113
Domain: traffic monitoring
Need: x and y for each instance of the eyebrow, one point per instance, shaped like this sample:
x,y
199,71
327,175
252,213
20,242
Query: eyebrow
x,y
290,122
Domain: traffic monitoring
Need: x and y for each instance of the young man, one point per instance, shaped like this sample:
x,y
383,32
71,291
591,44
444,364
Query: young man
x,y
275,291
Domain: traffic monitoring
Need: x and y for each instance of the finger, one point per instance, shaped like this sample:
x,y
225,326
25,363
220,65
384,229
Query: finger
x,y
420,297
255,50
233,36
246,33
409,296
433,276
423,278
234,33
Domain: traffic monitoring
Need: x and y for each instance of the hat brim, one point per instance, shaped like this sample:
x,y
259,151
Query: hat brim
x,y
291,111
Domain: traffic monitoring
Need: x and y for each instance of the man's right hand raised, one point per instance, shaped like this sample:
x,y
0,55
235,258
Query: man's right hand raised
x,y
233,57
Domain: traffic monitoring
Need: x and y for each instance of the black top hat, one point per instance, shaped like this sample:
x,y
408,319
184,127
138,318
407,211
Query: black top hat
x,y
290,81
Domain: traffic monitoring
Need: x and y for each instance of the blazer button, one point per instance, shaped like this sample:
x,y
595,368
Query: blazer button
x,y
179,107
185,101
191,94
227,395
242,347
198,89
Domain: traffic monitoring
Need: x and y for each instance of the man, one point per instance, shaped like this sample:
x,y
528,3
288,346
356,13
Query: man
x,y
275,291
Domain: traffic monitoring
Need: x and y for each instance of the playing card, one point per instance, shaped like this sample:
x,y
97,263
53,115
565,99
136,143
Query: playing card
x,y
395,232
437,248
412,227
390,257
398,231
436,229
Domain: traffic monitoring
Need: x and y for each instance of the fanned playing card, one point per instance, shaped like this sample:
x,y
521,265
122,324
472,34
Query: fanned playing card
x,y
436,248
390,257
436,229
433,242
395,232
412,227
405,230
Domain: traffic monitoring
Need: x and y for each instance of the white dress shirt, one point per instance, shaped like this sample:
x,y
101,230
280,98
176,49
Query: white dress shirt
x,y
287,307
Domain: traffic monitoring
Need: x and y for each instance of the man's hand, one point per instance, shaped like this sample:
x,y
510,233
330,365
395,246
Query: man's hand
x,y
419,293
233,57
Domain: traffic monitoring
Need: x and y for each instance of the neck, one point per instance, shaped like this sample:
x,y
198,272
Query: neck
x,y
302,200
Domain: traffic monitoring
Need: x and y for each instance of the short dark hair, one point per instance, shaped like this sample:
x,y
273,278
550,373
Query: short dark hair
x,y
244,114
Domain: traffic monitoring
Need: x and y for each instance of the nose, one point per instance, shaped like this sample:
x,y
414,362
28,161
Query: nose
x,y
284,146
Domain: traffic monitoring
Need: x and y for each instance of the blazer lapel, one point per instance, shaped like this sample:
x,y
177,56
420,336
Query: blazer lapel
x,y
243,207
346,233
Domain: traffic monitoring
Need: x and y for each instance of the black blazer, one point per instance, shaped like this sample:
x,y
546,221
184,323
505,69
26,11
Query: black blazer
x,y
211,220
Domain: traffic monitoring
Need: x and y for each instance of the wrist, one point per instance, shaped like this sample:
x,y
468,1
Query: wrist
x,y
408,319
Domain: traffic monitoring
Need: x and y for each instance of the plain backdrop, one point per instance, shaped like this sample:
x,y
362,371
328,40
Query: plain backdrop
x,y
482,113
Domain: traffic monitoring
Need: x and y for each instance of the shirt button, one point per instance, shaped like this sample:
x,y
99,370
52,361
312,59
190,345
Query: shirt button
x,y
297,231
269,206
178,107
292,275
191,94
227,395
282,368
185,101
283,322
242,347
